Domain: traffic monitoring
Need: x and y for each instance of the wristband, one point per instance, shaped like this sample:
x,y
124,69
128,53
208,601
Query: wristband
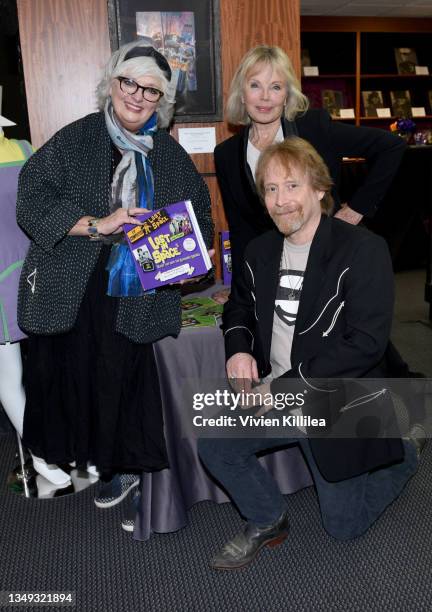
x,y
92,229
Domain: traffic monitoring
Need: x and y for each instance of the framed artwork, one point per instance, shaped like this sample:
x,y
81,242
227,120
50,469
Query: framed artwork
x,y
401,104
332,101
371,101
406,60
186,32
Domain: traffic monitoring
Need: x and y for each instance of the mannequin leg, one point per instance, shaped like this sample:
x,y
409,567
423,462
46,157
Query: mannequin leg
x,y
12,395
12,398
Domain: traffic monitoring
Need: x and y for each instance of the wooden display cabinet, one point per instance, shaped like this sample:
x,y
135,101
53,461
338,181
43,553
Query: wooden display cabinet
x,y
356,54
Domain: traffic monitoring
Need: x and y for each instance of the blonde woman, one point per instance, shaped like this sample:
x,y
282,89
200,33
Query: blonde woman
x,y
266,99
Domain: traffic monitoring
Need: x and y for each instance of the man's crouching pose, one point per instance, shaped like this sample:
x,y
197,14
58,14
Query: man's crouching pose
x,y
314,301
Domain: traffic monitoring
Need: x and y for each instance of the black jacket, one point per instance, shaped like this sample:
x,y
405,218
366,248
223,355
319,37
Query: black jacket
x,y
68,178
333,140
342,327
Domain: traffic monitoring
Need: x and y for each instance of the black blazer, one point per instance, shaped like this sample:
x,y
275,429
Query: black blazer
x,y
333,140
342,327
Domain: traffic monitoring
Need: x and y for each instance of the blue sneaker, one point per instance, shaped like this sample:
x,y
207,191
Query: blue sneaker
x,y
130,511
113,492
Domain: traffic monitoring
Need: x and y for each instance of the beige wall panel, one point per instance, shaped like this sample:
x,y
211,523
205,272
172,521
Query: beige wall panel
x,y
65,45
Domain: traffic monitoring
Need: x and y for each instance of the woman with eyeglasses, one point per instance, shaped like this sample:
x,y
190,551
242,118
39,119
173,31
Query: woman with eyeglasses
x,y
92,385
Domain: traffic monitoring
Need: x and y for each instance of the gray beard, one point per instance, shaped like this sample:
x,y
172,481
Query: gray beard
x,y
291,228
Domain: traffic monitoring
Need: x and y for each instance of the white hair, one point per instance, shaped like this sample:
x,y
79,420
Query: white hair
x,y
135,68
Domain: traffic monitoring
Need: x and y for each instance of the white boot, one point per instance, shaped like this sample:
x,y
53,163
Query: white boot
x,y
51,472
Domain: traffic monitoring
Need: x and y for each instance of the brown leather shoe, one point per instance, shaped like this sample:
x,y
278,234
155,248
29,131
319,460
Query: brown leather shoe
x,y
244,547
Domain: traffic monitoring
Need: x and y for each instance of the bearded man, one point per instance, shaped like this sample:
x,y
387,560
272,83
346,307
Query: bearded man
x,y
314,301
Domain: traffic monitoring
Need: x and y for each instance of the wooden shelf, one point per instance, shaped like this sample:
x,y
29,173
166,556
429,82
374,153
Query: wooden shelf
x,y
357,45
321,23
329,76
395,76
392,118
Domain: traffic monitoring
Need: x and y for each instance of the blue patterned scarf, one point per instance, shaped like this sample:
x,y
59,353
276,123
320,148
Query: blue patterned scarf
x,y
132,186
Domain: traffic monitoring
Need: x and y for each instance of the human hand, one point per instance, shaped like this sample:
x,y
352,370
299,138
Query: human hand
x,y
348,215
242,370
113,223
195,279
258,397
221,296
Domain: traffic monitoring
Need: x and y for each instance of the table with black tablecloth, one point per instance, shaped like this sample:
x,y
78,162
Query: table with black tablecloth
x,y
198,353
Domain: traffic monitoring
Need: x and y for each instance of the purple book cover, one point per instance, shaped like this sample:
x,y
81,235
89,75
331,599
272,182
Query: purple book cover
x,y
226,258
168,246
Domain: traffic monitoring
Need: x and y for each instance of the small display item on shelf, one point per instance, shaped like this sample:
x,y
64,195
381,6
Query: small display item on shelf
x,y
305,58
371,101
406,60
332,101
401,103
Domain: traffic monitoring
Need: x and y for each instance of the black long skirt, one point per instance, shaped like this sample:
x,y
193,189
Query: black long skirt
x,y
92,394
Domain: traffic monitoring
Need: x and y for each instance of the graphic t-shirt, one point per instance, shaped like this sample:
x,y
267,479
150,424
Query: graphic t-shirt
x,y
291,275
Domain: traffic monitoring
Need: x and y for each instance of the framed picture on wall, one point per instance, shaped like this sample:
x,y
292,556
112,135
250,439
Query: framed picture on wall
x,y
186,32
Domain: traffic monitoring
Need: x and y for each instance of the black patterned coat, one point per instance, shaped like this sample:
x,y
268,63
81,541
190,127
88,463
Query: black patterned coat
x,y
68,178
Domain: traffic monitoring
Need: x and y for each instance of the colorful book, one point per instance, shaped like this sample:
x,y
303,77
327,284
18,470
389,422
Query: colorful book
x,y
226,258
200,312
192,303
168,245
192,320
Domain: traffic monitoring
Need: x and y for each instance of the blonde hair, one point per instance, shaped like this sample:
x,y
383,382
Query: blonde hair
x,y
297,153
137,67
278,60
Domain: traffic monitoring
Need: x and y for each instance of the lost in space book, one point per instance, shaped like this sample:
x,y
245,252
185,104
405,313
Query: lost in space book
x,y
168,245
226,258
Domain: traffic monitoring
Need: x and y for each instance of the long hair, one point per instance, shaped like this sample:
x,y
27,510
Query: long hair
x,y
137,67
297,153
278,60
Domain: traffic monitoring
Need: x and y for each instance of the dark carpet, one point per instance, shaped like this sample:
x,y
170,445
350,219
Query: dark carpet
x,y
67,544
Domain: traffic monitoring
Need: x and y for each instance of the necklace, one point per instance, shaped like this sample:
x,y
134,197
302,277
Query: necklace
x,y
297,287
